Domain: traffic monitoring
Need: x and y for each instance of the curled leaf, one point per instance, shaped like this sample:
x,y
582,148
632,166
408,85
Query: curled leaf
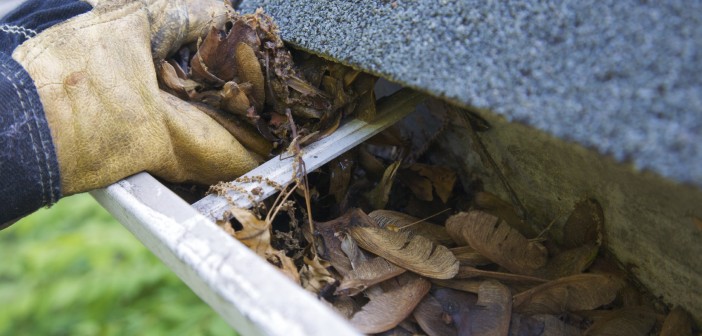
x,y
573,293
234,99
378,197
387,309
497,207
443,179
497,241
417,254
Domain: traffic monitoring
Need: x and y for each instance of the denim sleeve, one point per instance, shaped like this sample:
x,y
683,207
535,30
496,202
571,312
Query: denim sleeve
x,y
29,171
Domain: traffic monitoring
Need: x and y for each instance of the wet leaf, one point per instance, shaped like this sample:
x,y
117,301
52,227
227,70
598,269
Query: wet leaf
x,y
633,321
584,225
429,317
442,178
378,197
398,221
368,273
573,293
677,323
497,241
387,309
416,253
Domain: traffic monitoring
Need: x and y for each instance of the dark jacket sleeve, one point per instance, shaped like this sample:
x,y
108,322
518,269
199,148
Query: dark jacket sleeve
x,y
29,172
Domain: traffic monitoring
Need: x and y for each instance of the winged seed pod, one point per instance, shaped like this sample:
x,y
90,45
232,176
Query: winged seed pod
x,y
414,253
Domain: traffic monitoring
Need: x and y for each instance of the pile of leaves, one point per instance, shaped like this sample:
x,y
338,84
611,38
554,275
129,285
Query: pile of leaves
x,y
247,79
385,237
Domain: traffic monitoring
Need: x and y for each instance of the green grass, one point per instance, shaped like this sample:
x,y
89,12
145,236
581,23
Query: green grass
x,y
73,270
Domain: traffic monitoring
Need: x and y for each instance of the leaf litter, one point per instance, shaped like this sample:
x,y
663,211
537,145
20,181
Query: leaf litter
x,y
432,256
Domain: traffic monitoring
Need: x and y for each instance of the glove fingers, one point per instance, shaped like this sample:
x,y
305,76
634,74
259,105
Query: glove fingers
x,y
203,151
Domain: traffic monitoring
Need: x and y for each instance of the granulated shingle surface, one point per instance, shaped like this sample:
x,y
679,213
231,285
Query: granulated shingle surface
x,y
623,77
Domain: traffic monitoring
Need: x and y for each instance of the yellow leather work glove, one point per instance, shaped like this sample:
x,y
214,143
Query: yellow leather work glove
x,y
96,79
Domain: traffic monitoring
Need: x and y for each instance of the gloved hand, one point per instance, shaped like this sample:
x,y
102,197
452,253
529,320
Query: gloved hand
x,y
96,79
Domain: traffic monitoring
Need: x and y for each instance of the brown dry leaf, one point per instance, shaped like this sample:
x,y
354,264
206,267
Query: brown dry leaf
x,y
467,256
378,197
429,314
497,241
569,262
398,221
443,179
213,62
494,314
417,254
256,235
387,309
243,132
677,323
314,275
470,286
497,207
573,293
584,225
370,164
632,321
368,273
467,272
329,235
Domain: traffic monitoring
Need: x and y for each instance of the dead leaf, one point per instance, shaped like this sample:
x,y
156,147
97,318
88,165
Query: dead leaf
x,y
677,323
497,241
314,275
470,286
632,321
429,317
398,221
340,170
569,262
387,309
573,293
584,225
378,197
467,256
368,273
419,185
467,272
443,179
243,132
256,235
494,313
497,207
417,254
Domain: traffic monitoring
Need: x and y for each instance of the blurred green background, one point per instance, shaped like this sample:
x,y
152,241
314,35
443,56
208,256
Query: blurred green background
x,y
73,270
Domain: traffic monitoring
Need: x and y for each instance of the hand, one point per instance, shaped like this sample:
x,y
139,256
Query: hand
x,y
96,79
